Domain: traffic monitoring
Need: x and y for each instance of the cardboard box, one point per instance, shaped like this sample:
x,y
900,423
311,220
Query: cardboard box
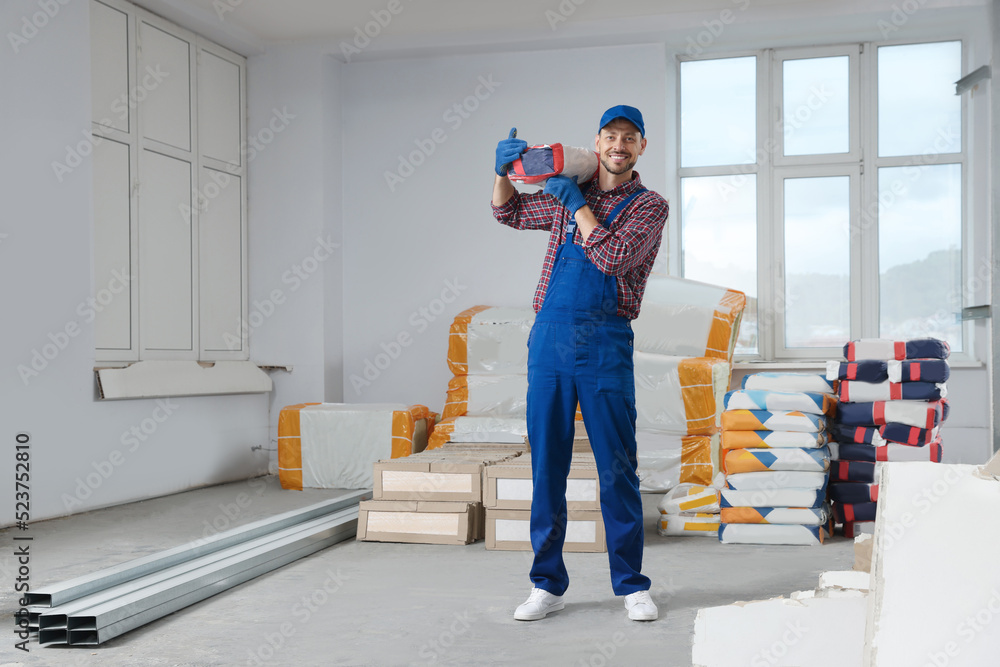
x,y
445,474
508,485
420,522
509,530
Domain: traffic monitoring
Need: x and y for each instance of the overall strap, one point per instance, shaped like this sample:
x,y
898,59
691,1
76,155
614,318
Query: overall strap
x,y
618,209
571,227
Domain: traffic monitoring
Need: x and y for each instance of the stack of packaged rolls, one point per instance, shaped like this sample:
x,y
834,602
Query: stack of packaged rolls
x,y
690,509
775,457
892,403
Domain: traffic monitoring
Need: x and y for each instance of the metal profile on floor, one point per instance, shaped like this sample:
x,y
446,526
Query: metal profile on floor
x,y
72,589
103,620
118,608
55,623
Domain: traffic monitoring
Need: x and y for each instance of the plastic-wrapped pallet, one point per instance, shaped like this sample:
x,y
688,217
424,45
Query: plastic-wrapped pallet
x,y
893,399
683,346
776,460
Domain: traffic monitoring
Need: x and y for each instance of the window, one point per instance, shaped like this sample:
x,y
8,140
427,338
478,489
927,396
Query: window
x,y
169,190
809,181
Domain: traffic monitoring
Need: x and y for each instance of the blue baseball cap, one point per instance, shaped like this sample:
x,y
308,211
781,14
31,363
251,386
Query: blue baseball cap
x,y
631,114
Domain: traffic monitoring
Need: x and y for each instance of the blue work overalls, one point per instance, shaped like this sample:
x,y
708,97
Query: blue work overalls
x,y
581,349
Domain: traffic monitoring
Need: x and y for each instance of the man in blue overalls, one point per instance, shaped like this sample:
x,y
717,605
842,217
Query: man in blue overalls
x,y
602,244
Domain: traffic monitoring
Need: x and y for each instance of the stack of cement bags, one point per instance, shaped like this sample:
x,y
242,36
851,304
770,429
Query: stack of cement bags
x,y
775,456
892,402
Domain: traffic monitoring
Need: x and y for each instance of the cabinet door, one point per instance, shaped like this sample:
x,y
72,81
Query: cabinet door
x,y
113,281
221,263
164,86
221,203
166,255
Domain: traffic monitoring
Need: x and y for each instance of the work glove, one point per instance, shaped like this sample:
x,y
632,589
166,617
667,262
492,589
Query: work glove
x,y
508,150
566,191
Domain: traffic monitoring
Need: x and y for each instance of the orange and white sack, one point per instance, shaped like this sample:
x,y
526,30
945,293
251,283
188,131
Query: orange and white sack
x,y
690,498
706,525
334,445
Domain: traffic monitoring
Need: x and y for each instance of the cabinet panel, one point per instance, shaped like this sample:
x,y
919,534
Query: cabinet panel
x,y
109,50
165,253
219,116
112,305
164,86
221,261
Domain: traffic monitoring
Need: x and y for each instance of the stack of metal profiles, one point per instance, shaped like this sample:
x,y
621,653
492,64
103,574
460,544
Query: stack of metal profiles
x,y
94,608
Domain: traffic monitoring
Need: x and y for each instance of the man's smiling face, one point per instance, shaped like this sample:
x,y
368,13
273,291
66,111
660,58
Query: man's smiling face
x,y
619,145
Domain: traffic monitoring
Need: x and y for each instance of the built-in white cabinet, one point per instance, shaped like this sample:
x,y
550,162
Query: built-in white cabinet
x,y
169,112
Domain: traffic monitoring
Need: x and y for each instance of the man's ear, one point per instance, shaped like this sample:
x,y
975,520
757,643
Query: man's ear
x,y
597,142
642,146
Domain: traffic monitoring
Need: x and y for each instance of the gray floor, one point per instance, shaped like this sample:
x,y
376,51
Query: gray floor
x,y
395,604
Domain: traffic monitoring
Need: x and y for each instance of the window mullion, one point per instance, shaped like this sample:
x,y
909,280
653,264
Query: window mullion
x,y
767,124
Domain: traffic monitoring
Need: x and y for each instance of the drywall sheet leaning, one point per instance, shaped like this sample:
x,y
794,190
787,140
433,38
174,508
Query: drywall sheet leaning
x,y
935,596
804,631
333,445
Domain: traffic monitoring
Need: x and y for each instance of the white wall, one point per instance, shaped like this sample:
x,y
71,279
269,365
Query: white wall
x,y
46,270
420,251
294,221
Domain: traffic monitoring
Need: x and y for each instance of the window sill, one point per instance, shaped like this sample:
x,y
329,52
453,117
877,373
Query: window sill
x,y
809,365
159,379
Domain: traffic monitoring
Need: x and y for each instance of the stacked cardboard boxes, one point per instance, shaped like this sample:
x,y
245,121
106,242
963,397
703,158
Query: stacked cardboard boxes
x,y
507,497
433,497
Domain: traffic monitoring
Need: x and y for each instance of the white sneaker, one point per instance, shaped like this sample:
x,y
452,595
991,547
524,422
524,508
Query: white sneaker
x,y
640,606
538,605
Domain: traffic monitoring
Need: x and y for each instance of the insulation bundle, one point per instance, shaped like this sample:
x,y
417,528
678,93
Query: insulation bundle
x,y
334,445
683,344
775,456
893,400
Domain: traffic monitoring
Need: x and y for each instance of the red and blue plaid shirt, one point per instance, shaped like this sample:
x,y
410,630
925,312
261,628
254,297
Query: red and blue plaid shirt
x,y
626,251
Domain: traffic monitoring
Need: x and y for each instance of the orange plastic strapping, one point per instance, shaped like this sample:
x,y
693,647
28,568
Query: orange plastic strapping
x,y
722,334
696,460
404,427
442,433
290,447
457,402
695,377
458,340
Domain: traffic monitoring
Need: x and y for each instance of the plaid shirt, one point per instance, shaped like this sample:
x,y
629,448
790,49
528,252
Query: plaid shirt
x,y
626,251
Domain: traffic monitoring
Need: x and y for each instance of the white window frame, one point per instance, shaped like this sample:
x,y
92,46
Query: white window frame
x,y
861,164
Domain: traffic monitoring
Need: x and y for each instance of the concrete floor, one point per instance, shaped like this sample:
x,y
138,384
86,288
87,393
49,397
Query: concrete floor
x,y
395,604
